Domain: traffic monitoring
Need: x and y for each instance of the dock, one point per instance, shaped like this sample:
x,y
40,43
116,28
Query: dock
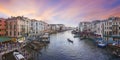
x,y
14,48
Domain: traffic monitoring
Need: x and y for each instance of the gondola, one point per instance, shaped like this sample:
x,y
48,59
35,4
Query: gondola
x,y
70,40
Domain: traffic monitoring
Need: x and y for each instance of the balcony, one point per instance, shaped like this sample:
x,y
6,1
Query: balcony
x,y
2,27
2,32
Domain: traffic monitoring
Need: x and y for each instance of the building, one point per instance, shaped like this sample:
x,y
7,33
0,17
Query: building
x,y
112,29
43,26
57,27
18,27
52,27
96,27
34,29
60,27
38,27
83,26
2,27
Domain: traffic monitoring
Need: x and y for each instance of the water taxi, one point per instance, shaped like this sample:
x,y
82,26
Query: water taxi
x,y
18,56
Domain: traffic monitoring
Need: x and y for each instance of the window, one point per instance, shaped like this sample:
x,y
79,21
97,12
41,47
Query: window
x,y
110,23
105,32
10,26
110,33
10,33
14,26
31,24
113,23
110,27
0,20
18,33
6,32
14,33
36,24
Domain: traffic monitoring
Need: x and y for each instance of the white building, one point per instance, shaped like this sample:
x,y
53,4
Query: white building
x,y
37,27
99,29
57,27
83,26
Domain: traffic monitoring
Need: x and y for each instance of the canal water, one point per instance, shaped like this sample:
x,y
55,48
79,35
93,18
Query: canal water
x,y
60,49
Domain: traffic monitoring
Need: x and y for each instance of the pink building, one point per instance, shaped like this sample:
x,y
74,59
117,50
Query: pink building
x,y
17,26
2,27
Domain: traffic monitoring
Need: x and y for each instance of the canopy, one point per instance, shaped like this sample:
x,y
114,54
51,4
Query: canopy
x,y
3,39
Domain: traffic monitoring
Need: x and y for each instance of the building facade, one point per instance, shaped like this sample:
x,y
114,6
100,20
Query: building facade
x,y
57,27
84,26
37,27
2,27
18,27
112,28
99,29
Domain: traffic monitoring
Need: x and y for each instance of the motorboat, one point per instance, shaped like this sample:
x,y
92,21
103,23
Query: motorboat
x,y
18,56
101,44
73,32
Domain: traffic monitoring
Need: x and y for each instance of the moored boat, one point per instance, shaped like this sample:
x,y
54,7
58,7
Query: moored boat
x,y
101,44
18,56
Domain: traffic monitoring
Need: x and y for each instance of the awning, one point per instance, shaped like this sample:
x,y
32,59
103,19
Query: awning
x,y
99,38
116,36
4,39
107,36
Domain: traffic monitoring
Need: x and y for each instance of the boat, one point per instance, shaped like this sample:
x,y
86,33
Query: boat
x,y
70,40
101,44
73,32
18,56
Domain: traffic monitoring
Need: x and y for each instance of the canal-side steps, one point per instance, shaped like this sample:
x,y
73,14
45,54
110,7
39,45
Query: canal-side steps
x,y
11,50
8,51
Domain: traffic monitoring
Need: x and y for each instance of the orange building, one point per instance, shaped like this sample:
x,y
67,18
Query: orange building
x,y
2,27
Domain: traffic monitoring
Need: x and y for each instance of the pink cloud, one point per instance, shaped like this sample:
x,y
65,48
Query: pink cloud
x,y
64,10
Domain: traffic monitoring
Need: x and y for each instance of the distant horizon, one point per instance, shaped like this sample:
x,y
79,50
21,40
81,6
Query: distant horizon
x,y
59,23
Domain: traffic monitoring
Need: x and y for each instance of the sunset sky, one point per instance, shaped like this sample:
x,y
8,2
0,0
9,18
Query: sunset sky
x,y
69,12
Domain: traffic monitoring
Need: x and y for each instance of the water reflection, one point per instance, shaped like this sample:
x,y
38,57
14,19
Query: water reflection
x,y
60,49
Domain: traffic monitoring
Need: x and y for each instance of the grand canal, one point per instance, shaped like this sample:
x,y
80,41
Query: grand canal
x,y
60,49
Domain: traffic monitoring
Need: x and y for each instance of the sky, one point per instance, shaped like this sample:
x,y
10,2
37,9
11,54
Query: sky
x,y
68,12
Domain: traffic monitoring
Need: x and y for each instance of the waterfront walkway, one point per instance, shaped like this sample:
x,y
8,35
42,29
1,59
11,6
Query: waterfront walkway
x,y
9,47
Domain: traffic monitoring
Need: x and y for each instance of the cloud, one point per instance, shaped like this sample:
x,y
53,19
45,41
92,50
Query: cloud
x,y
57,11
